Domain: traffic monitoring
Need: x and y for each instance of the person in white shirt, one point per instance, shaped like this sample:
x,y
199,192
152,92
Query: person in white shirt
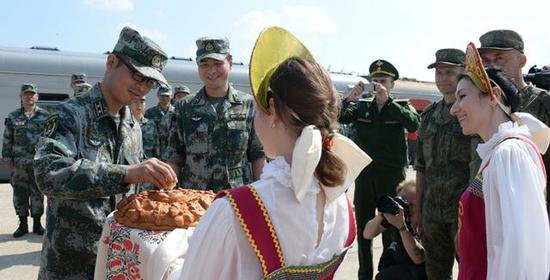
x,y
503,224
302,188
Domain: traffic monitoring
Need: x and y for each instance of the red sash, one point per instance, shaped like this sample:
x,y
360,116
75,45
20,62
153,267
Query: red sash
x,y
259,230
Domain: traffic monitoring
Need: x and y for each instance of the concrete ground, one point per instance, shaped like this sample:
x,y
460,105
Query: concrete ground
x,y
20,258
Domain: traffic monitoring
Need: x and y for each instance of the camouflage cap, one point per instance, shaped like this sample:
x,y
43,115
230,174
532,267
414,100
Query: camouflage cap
x,y
451,57
184,89
78,77
382,67
28,87
501,39
82,87
142,53
212,47
164,91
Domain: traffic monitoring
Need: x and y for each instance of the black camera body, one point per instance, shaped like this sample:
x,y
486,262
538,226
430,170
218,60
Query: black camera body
x,y
390,205
539,77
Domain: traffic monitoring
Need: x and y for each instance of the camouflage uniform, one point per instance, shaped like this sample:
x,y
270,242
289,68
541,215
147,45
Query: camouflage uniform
x,y
81,163
79,169
150,138
165,126
20,137
156,113
443,156
214,145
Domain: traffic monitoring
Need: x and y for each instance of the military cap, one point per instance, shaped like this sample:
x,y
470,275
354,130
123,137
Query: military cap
x,y
78,77
164,91
82,87
451,57
142,53
182,89
382,67
212,47
28,87
501,39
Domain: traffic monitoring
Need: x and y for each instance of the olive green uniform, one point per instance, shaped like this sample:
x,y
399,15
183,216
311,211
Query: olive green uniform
x,y
381,134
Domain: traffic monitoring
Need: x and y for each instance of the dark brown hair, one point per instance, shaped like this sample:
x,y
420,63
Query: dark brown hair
x,y
304,95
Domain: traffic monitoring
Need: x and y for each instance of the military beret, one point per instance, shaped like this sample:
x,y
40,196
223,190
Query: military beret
x,y
382,67
184,89
143,54
452,57
78,77
212,47
28,87
501,39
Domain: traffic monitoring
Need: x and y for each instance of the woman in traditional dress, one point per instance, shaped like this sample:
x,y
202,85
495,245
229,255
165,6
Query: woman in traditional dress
x,y
296,221
503,224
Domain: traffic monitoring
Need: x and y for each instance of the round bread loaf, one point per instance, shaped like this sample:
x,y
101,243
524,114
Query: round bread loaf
x,y
163,210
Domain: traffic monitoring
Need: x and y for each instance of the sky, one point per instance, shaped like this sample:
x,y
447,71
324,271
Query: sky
x,y
344,35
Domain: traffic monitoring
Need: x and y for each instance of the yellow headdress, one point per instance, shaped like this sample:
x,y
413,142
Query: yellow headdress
x,y
273,46
476,71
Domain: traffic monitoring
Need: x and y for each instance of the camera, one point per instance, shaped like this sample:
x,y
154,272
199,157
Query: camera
x,y
539,77
390,205
368,89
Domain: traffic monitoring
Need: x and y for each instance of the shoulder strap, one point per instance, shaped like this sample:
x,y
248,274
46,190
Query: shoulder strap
x,y
528,141
257,226
352,230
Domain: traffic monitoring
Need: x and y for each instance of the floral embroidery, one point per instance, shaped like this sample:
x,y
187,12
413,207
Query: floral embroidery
x,y
123,254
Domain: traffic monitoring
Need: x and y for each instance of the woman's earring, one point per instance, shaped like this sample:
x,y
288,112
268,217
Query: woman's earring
x,y
273,125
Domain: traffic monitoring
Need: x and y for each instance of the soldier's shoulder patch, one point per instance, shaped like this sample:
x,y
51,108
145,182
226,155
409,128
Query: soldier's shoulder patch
x,y
51,125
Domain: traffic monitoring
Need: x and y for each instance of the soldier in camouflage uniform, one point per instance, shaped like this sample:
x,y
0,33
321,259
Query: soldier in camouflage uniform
x,y
380,126
214,140
180,92
164,94
23,127
91,152
77,79
167,122
504,49
442,168
149,130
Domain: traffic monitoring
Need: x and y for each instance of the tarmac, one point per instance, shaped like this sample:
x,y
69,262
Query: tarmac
x,y
20,257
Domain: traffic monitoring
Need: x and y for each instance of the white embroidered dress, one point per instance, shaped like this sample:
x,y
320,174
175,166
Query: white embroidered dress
x,y
219,249
518,232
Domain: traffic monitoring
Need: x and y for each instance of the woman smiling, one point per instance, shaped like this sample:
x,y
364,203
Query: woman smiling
x,y
503,223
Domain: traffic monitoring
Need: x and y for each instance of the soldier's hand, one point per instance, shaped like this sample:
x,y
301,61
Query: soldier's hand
x,y
151,171
381,93
356,92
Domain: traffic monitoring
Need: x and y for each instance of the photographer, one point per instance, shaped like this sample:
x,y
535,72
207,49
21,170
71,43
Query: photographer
x,y
404,258
379,123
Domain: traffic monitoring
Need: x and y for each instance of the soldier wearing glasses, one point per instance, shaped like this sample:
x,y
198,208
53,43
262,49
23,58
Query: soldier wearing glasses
x,y
91,152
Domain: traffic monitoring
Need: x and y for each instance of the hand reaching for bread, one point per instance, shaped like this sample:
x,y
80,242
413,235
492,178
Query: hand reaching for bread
x,y
151,171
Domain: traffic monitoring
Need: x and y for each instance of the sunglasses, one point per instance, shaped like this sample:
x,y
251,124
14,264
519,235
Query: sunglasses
x,y
138,77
